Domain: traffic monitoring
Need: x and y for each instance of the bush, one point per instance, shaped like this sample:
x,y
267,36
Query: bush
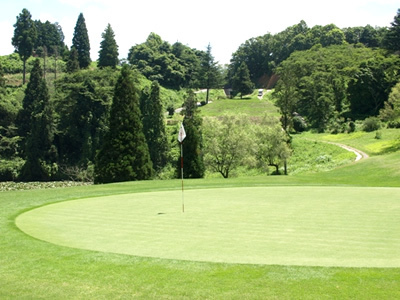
x,y
371,124
352,127
299,124
394,124
10,169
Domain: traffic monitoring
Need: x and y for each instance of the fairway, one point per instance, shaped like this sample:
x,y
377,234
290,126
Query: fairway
x,y
309,226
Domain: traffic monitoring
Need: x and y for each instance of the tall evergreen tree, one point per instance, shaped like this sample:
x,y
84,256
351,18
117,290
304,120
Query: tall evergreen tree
x,y
2,80
154,126
108,54
392,38
24,38
241,82
210,75
73,63
193,162
80,42
37,112
125,154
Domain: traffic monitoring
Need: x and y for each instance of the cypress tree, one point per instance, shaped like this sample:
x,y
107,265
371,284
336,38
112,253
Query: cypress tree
x,y
73,63
37,119
108,54
154,126
193,163
24,38
80,42
125,154
392,38
241,82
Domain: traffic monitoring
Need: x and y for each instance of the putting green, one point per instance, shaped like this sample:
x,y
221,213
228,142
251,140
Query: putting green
x,y
315,226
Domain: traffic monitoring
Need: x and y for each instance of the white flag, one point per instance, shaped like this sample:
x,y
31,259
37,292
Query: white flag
x,y
181,134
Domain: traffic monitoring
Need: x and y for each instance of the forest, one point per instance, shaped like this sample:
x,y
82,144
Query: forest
x,y
65,117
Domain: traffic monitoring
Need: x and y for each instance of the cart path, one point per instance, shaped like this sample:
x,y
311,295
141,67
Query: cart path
x,y
359,154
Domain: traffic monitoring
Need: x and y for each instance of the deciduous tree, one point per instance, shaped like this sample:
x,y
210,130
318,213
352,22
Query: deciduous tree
x,y
227,143
271,144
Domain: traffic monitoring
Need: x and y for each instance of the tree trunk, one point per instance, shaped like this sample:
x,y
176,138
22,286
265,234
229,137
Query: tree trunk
x,y
23,71
208,92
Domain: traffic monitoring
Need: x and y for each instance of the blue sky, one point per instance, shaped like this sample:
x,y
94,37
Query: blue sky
x,y
223,24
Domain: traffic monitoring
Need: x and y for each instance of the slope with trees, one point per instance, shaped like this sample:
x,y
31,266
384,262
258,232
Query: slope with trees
x,y
335,82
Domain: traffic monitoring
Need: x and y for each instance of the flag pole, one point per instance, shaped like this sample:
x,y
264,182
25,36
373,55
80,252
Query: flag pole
x,y
183,202
181,137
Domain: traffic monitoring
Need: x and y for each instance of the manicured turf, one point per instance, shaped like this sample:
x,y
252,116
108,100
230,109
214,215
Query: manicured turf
x,y
308,226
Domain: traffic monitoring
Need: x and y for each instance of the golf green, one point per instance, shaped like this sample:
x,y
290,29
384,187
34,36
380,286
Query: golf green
x,y
313,226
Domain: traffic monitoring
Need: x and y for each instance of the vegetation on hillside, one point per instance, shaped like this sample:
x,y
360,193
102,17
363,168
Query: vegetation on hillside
x,y
326,79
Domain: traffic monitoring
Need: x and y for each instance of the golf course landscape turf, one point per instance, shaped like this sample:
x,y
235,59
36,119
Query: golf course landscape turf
x,y
316,226
325,235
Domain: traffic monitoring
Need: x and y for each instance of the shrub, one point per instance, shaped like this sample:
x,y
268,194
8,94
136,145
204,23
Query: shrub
x,y
394,124
352,127
299,124
10,169
378,135
371,124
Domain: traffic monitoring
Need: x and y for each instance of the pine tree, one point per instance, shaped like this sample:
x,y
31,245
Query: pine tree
x,y
24,38
209,73
241,82
392,38
193,163
73,63
125,154
81,43
108,54
37,119
154,126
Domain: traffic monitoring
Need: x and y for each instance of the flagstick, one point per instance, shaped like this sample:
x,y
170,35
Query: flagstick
x,y
183,203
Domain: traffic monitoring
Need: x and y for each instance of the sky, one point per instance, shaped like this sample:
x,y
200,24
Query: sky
x,y
225,25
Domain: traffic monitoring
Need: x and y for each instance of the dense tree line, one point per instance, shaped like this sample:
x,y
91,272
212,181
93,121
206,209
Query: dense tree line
x,y
177,66
329,85
264,53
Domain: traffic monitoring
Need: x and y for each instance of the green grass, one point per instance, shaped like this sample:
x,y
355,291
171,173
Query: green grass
x,y
251,106
34,269
317,226
366,141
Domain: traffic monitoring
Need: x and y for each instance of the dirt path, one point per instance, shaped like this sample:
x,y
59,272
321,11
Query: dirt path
x,y
359,154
